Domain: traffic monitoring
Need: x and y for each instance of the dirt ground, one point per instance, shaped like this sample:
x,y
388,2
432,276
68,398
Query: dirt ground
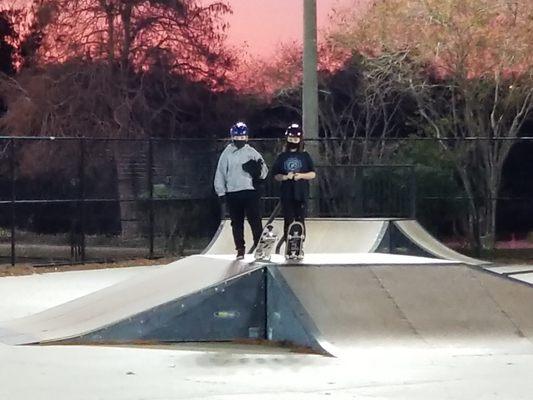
x,y
30,269
500,257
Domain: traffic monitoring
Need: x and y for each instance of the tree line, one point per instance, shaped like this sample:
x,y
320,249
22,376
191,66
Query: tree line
x,y
447,70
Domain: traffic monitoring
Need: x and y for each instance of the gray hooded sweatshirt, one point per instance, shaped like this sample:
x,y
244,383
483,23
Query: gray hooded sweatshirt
x,y
230,177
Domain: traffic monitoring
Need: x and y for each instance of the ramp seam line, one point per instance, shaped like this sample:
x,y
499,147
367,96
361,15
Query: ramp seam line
x,y
497,304
397,306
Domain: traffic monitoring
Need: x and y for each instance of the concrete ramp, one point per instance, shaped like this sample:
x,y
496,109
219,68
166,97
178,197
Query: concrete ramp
x,y
325,235
412,231
423,305
124,301
333,303
351,235
222,241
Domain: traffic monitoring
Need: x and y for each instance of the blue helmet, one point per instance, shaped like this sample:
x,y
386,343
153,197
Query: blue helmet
x,y
239,129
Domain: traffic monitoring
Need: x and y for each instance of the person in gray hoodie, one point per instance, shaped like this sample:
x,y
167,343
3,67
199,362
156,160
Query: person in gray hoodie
x,y
239,167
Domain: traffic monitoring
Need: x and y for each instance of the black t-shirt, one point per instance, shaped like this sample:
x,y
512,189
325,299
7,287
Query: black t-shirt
x,y
294,161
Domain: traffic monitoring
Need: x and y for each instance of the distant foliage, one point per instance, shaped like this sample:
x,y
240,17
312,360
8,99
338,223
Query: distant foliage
x,y
7,48
184,36
468,66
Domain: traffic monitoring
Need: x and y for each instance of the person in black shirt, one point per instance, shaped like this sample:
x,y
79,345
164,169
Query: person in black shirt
x,y
294,168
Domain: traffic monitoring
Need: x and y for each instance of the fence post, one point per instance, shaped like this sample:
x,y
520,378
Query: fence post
x,y
151,196
81,202
13,198
412,186
359,191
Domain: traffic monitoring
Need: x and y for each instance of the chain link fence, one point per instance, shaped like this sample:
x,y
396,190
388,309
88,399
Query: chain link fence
x,y
70,200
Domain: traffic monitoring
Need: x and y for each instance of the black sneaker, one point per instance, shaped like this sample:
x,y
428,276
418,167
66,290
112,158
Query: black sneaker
x,y
240,254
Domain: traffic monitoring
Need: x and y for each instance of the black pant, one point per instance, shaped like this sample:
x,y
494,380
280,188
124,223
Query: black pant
x,y
243,203
293,210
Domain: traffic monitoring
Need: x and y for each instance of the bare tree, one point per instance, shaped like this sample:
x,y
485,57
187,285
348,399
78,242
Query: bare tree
x,y
476,122
471,73
361,108
187,35
118,68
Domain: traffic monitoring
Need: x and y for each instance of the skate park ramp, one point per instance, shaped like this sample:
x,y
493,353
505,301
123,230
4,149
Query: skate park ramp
x,y
326,235
354,235
343,295
332,303
412,231
199,298
123,301
352,308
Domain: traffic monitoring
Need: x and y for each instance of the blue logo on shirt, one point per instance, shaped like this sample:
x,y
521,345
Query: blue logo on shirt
x,y
292,164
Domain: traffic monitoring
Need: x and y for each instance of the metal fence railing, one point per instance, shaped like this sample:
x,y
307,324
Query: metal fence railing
x,y
91,199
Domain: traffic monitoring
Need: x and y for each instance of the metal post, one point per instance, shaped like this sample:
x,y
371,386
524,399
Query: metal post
x,y
13,198
310,67
358,192
413,193
151,196
310,95
81,202
265,300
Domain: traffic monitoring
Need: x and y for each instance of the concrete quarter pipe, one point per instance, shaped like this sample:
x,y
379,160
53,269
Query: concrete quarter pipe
x,y
355,235
325,236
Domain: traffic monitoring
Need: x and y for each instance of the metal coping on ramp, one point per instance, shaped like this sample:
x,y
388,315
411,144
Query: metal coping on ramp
x,y
344,259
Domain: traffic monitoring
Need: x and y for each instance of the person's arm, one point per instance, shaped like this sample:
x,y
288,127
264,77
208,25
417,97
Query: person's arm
x,y
305,175
264,168
278,173
310,174
281,177
220,175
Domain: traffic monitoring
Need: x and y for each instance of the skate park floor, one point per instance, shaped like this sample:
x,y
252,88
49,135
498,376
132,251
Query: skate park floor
x,y
237,371
234,372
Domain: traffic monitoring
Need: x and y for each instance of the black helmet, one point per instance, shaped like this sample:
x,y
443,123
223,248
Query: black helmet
x,y
294,130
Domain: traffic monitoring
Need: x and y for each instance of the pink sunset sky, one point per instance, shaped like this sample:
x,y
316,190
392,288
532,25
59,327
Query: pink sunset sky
x,y
262,24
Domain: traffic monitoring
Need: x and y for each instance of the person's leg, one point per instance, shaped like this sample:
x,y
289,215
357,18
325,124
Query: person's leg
x,y
300,212
288,209
253,214
236,212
